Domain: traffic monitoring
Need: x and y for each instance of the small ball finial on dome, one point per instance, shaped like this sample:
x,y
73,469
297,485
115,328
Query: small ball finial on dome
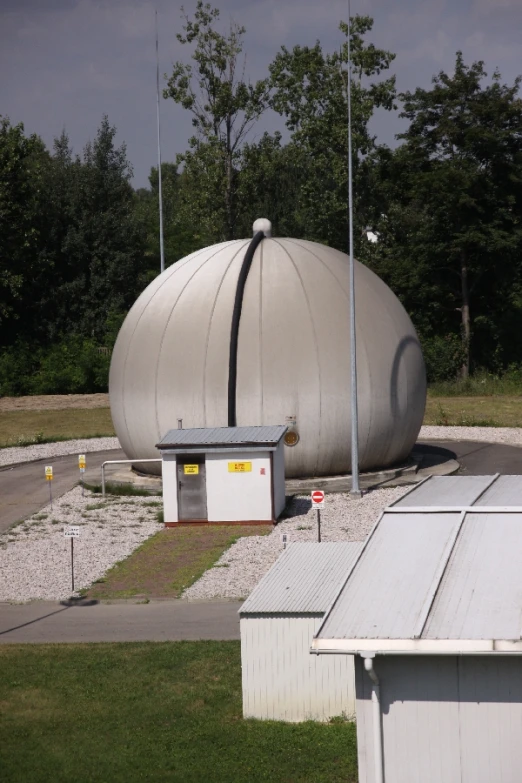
x,y
264,225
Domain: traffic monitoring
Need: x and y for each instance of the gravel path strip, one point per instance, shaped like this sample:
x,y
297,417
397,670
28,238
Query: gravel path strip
x,y
511,436
35,556
16,454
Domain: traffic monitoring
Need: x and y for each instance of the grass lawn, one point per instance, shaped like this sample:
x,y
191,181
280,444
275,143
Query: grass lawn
x,y
490,411
23,427
151,712
170,561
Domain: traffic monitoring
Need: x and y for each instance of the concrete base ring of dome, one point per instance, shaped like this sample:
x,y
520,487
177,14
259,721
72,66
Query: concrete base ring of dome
x,y
418,466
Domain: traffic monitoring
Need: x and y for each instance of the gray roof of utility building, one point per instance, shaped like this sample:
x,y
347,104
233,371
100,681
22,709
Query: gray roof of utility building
x,y
304,580
448,491
436,581
224,436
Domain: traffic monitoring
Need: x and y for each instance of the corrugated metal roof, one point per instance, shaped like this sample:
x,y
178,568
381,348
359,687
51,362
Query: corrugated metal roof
x,y
224,436
304,580
480,596
505,491
446,491
385,594
437,581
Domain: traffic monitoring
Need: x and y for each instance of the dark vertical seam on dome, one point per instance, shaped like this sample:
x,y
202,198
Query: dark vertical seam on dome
x,y
208,334
167,325
234,330
316,351
261,380
175,267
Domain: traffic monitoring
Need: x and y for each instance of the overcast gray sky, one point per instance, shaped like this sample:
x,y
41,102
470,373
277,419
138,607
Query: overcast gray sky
x,y
64,63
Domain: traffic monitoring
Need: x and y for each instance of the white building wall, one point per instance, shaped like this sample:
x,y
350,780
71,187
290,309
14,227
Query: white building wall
x,y
239,496
444,718
170,488
282,680
279,479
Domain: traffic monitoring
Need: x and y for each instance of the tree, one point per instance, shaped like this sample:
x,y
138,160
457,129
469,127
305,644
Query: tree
x,y
178,238
223,104
24,162
455,211
102,249
310,91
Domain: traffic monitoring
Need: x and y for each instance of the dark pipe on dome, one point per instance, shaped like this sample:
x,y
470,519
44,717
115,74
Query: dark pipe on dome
x,y
236,318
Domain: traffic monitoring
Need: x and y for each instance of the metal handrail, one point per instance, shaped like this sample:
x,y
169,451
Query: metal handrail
x,y
121,462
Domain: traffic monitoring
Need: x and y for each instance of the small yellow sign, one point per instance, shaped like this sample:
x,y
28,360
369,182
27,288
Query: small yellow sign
x,y
191,470
239,467
81,461
48,472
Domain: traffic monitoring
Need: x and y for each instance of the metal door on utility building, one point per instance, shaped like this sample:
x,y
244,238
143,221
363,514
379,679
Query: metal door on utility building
x,y
192,487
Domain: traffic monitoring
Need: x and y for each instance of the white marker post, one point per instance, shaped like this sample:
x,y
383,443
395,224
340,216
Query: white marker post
x,y
318,503
81,465
49,478
72,532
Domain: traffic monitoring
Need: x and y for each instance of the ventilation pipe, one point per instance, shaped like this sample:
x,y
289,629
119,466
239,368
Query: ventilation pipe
x,y
376,720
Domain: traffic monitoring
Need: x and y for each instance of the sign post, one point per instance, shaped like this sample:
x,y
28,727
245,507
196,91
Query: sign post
x,y
81,465
49,478
318,504
72,532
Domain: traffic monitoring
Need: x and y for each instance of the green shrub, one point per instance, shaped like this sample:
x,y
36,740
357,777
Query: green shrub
x,y
75,365
443,357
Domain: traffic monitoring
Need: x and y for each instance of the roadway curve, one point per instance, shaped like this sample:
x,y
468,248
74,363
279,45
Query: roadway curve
x,y
24,490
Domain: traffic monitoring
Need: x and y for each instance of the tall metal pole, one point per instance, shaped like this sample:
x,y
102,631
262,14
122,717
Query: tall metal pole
x,y
162,249
355,490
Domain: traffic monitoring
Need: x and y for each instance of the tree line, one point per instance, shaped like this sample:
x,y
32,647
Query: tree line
x,y
78,243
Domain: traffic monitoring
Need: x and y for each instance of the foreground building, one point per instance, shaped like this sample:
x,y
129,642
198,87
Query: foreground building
x,y
432,612
281,680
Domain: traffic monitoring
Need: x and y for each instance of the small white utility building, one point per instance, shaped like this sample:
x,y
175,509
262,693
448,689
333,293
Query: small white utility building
x,y
223,474
281,680
432,612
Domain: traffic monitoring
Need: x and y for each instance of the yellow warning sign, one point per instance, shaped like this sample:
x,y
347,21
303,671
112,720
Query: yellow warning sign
x,y
239,467
81,461
48,472
191,470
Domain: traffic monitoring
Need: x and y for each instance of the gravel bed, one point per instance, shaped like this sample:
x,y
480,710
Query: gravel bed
x,y
15,454
512,436
241,567
35,555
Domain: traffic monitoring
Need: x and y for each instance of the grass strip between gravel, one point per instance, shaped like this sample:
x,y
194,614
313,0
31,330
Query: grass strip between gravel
x,y
170,561
27,427
491,411
158,712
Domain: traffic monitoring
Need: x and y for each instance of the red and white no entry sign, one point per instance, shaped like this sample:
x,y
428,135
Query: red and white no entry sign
x,y
317,498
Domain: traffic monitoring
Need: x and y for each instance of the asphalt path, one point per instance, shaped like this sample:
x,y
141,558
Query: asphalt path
x,y
480,459
24,490
84,620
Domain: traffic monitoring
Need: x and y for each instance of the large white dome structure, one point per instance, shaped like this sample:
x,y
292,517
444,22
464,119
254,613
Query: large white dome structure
x,y
175,356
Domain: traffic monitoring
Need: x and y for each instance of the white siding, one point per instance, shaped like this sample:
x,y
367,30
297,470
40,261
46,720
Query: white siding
x,y
170,488
282,680
444,719
279,479
239,497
